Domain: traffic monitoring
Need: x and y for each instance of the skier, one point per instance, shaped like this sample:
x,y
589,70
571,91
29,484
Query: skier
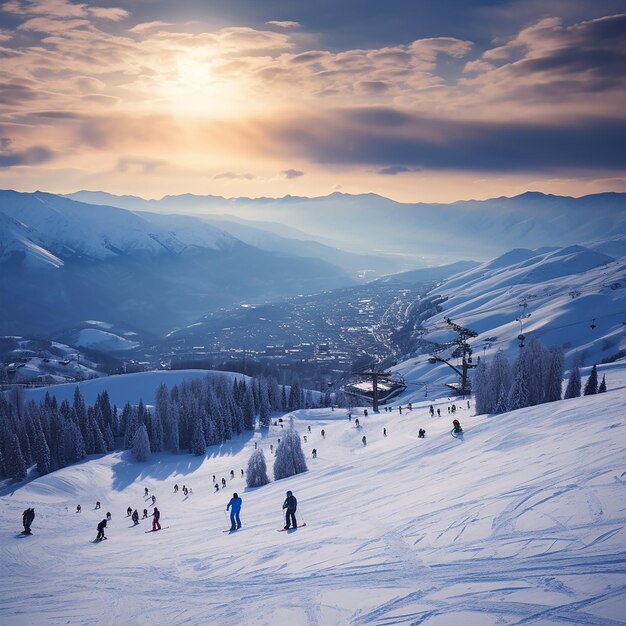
x,y
135,517
384,432
232,474
272,448
129,512
97,505
255,445
145,514
185,491
468,404
108,516
432,411
190,490
176,487
410,406
400,409
365,412
27,519
309,429
448,409
438,412
454,408
101,526
314,453
356,422
155,521
304,437
364,440
213,477
217,487
145,492
78,509
153,499
242,473
422,433
235,503
223,482
323,434
456,427
291,504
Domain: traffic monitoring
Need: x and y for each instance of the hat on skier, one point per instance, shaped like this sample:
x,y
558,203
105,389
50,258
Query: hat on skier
x,y
289,493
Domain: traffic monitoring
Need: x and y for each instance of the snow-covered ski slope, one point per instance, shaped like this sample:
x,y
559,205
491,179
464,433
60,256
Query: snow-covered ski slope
x,y
520,522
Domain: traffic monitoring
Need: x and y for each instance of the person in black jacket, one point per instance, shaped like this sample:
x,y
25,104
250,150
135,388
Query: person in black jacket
x,y
101,526
27,519
291,504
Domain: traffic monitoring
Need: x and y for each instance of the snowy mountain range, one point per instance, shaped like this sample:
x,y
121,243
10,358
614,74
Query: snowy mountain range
x,y
429,233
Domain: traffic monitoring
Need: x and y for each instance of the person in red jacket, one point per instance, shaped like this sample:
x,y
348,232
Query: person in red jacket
x,y
155,519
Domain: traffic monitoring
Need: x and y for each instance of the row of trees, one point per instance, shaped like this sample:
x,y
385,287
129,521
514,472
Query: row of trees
x,y
535,377
189,416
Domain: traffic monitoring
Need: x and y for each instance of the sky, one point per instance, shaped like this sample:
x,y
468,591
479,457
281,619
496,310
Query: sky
x,y
418,100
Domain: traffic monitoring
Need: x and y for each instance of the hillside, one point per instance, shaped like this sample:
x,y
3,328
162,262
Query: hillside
x,y
506,526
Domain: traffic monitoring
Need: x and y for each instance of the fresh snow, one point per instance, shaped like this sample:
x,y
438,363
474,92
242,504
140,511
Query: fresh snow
x,y
520,522
103,340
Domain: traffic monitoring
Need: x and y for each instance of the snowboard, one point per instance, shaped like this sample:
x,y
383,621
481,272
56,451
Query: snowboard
x,y
283,530
99,540
156,531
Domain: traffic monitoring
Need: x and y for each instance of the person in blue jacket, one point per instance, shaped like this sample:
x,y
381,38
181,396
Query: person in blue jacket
x,y
235,506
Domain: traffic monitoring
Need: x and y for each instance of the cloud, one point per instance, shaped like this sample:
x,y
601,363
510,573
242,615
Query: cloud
x,y
145,165
234,176
289,174
112,13
393,170
35,155
283,24
145,27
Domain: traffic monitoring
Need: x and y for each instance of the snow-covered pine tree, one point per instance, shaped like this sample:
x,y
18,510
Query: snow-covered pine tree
x,y
248,408
602,387
283,399
554,379
15,464
500,380
591,387
198,442
141,444
535,362
289,455
481,389
518,394
42,453
573,384
256,474
265,410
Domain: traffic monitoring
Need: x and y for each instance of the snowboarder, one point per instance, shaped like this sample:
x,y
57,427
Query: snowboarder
x,y
356,422
153,499
422,433
323,434
384,432
97,505
145,514
309,429
438,412
314,453
432,411
235,503
242,473
400,409
176,487
232,474
145,492
456,427
101,526
291,504
78,509
213,477
365,412
27,519
364,440
223,482
155,519
454,408
129,512
108,516
217,487
135,517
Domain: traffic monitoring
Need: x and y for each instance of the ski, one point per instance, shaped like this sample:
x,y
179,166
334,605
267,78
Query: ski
x,y
233,530
282,530
99,540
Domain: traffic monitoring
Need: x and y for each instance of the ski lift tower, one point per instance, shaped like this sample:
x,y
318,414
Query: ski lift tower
x,y
374,384
462,350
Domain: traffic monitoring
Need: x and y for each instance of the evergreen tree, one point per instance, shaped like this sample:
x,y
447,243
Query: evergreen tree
x,y
198,442
500,375
265,410
256,474
518,395
554,380
573,384
289,455
141,444
591,388
14,462
602,387
535,362
248,409
481,389
283,399
42,454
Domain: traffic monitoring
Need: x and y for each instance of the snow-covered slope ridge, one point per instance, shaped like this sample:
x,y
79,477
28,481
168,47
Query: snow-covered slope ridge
x,y
574,297
521,522
43,221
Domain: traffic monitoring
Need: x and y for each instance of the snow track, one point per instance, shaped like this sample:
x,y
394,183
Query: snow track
x,y
521,523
